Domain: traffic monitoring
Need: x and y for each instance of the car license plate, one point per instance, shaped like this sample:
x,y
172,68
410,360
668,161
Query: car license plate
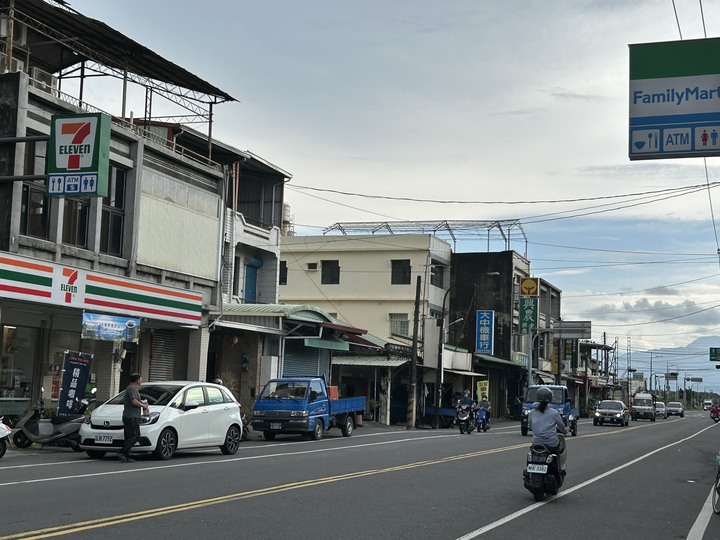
x,y
104,438
536,468
276,425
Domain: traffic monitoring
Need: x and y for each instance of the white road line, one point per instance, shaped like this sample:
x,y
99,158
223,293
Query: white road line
x,y
698,529
535,506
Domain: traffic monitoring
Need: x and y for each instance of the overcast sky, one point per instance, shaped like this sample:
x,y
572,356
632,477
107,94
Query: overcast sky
x,y
520,109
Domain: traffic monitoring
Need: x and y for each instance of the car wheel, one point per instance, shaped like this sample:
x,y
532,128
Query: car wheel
x,y
348,426
3,447
317,432
232,441
682,415
166,445
269,435
21,440
95,454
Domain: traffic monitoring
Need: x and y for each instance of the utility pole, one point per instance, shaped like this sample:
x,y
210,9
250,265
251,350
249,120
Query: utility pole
x,y
412,390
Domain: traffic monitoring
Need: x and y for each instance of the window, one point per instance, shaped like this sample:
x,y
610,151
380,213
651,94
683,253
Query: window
x,y
437,275
283,273
215,395
35,210
237,276
400,272
113,214
399,324
330,272
75,221
195,394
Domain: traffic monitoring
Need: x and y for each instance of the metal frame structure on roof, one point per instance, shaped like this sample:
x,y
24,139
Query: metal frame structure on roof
x,y
71,45
507,229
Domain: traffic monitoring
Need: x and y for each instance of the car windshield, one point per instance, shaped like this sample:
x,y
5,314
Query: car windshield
x,y
295,390
659,405
612,405
675,404
643,402
556,392
155,394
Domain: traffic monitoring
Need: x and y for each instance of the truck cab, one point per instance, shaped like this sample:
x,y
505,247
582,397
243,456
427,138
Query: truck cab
x,y
561,402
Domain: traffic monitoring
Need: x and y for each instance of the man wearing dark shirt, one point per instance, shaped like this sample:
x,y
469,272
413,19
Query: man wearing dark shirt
x,y
131,416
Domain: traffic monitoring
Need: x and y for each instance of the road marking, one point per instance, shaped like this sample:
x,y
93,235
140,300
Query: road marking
x,y
535,506
697,531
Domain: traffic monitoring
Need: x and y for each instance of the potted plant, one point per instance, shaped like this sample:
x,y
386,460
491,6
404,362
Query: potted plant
x,y
373,405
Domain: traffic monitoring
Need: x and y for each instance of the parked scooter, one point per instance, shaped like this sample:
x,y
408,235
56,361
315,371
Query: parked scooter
x,y
543,473
465,418
4,436
481,419
247,427
65,429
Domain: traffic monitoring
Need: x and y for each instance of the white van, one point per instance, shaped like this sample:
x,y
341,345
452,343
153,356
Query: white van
x,y
707,404
643,406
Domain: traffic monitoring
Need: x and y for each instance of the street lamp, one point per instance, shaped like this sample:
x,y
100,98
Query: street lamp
x,y
441,342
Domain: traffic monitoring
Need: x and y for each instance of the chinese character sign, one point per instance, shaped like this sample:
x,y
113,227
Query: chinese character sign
x,y
76,370
484,325
528,314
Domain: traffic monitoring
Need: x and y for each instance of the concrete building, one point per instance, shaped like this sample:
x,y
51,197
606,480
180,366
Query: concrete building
x,y
188,225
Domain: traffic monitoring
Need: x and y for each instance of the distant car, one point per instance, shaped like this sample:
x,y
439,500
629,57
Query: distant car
x,y
660,410
612,412
675,408
183,414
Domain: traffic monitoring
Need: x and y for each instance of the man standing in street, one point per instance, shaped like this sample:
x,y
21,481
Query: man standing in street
x,y
131,416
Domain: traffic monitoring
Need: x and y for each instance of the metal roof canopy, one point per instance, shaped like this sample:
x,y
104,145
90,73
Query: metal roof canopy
x,y
370,361
469,229
59,38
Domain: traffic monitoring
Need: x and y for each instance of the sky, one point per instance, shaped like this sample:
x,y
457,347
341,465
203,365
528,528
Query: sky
x,y
458,110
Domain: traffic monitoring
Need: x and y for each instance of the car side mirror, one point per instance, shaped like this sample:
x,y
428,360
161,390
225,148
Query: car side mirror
x,y
190,405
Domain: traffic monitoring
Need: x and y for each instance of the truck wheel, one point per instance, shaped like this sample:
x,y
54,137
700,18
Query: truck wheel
x,y
348,426
269,435
317,432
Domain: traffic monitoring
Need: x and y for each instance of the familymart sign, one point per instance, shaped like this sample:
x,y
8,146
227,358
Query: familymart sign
x,y
675,99
79,155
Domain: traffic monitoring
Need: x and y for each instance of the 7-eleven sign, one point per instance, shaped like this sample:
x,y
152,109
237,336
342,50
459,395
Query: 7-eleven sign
x,y
79,155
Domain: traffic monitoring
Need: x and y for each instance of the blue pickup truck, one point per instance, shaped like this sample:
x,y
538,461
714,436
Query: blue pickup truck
x,y
302,405
560,402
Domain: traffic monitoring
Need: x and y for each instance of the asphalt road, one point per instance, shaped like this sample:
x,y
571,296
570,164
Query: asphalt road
x,y
648,480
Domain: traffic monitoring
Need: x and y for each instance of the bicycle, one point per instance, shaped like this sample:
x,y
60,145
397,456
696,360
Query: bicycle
x,y
716,488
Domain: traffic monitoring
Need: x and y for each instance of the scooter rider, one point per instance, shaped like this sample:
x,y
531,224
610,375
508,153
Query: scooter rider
x,y
485,404
545,423
466,399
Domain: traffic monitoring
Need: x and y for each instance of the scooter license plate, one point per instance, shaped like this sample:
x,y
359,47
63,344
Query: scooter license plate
x,y
276,425
103,438
537,468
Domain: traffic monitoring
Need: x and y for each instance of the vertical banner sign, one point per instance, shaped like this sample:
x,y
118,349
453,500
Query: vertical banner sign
x,y
484,325
528,314
79,155
483,389
76,370
675,99
569,355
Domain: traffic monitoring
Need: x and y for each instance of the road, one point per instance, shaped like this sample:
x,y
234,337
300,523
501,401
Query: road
x,y
648,480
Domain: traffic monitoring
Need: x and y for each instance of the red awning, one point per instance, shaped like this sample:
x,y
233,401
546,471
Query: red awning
x,y
343,328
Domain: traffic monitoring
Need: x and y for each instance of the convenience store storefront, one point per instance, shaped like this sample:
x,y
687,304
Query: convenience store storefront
x,y
41,308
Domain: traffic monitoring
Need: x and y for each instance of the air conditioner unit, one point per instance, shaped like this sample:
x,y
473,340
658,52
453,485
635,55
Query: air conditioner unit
x,y
312,266
42,79
17,65
19,31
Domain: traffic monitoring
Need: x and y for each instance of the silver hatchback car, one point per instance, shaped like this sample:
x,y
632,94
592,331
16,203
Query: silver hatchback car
x,y
660,410
675,408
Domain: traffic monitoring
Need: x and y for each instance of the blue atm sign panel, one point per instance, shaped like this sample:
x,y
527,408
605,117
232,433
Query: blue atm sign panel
x,y
484,326
675,99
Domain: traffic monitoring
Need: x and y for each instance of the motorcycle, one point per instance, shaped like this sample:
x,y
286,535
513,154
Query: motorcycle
x,y
65,429
481,419
465,418
4,434
543,473
715,415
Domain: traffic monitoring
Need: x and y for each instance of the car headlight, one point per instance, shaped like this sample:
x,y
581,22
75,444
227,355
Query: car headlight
x,y
87,419
258,413
597,413
150,419
618,415
298,413
526,412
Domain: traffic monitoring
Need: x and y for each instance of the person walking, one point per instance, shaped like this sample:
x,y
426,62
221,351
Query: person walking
x,y
131,416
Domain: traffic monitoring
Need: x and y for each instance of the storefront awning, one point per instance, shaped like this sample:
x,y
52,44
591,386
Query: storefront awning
x,y
333,343
545,377
468,373
498,360
370,361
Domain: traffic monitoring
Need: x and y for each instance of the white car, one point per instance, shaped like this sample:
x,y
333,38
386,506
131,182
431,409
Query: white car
x,y
660,411
183,414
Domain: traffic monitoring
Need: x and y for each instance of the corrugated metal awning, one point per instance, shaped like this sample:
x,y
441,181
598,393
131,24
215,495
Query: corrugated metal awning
x,y
468,373
371,361
498,360
333,343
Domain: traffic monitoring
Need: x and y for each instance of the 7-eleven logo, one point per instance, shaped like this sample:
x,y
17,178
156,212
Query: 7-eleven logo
x,y
68,287
74,148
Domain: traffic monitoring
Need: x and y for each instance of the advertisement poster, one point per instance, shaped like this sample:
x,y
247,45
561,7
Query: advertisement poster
x,y
103,327
483,388
75,373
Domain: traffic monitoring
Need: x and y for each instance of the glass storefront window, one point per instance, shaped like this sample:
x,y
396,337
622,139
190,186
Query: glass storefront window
x,y
18,351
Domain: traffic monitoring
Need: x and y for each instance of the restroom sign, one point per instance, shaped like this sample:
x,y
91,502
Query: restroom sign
x,y
79,155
